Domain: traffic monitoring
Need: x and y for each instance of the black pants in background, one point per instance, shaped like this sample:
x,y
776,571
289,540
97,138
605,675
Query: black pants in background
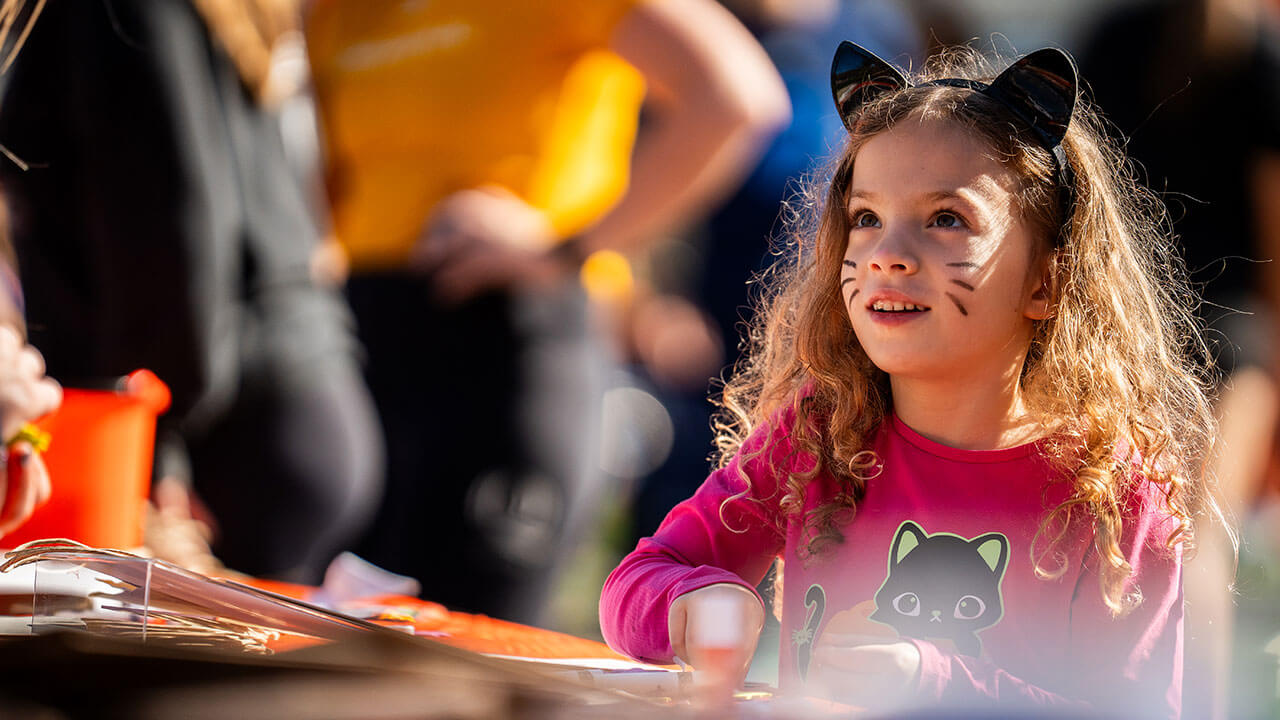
x,y
292,467
491,417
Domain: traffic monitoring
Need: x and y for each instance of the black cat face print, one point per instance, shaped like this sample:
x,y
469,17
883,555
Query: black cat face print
x,y
943,586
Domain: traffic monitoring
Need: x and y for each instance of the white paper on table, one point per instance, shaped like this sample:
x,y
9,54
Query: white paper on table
x,y
149,583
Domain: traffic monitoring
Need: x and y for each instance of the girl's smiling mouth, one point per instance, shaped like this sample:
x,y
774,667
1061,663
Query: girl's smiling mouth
x,y
889,313
892,306
888,302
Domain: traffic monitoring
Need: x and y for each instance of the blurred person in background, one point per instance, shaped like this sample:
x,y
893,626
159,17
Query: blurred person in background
x,y
1195,87
477,154
159,227
26,393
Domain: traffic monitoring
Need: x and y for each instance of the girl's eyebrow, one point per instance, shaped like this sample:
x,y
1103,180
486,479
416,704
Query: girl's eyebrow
x,y
856,194
974,202
933,196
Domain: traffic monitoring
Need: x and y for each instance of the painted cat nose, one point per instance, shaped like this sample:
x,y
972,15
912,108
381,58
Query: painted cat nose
x,y
937,616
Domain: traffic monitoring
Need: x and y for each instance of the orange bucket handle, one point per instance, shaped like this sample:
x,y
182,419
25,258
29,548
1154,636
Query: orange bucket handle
x,y
144,385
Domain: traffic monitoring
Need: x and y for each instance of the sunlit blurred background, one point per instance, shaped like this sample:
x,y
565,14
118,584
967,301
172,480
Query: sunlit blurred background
x,y
600,390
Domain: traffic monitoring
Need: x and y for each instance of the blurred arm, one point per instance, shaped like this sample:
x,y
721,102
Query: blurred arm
x,y
1266,204
25,395
714,101
1241,492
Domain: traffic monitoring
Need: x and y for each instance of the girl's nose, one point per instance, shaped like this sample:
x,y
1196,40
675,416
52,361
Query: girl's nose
x,y
893,255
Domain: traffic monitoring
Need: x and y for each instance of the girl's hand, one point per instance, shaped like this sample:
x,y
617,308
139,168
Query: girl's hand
x,y
865,670
685,617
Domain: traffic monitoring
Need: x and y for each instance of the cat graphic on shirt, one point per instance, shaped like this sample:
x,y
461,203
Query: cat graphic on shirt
x,y
943,587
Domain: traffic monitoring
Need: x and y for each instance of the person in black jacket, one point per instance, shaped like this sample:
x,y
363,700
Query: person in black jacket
x,y
160,226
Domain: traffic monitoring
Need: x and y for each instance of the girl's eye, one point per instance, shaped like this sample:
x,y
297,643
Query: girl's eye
x,y
865,219
947,220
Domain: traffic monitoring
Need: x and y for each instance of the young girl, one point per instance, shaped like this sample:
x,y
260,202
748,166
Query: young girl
x,y
971,423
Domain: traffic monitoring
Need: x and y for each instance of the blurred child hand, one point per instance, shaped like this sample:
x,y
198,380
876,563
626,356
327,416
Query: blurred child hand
x,y
25,395
24,486
865,670
689,612
25,392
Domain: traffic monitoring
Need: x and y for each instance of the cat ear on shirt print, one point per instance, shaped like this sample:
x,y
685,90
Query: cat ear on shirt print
x,y
943,588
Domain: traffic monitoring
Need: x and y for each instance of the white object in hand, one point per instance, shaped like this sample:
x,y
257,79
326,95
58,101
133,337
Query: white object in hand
x,y
717,622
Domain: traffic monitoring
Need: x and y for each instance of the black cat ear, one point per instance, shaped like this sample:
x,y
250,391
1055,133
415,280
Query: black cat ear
x,y
857,76
994,549
1041,88
908,538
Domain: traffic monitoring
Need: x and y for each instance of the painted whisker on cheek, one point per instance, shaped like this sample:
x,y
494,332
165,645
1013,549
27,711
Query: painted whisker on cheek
x,y
846,281
852,295
961,283
959,306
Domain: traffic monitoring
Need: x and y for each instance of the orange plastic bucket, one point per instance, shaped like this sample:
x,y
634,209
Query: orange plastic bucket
x,y
99,464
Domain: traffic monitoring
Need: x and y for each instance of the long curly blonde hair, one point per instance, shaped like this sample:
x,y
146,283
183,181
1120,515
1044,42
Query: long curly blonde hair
x,y
1117,377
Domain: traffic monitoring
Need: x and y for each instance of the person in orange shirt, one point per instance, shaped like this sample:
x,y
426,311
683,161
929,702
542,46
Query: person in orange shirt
x,y
477,153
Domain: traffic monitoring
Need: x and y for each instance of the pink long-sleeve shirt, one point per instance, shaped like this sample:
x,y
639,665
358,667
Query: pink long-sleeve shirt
x,y
939,553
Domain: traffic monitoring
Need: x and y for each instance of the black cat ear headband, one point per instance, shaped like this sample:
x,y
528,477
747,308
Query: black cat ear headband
x,y
1039,88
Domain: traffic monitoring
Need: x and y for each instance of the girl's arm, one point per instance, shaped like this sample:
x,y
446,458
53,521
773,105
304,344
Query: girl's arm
x,y
692,549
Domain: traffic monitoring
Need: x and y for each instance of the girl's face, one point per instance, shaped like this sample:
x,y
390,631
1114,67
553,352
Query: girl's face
x,y
938,277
